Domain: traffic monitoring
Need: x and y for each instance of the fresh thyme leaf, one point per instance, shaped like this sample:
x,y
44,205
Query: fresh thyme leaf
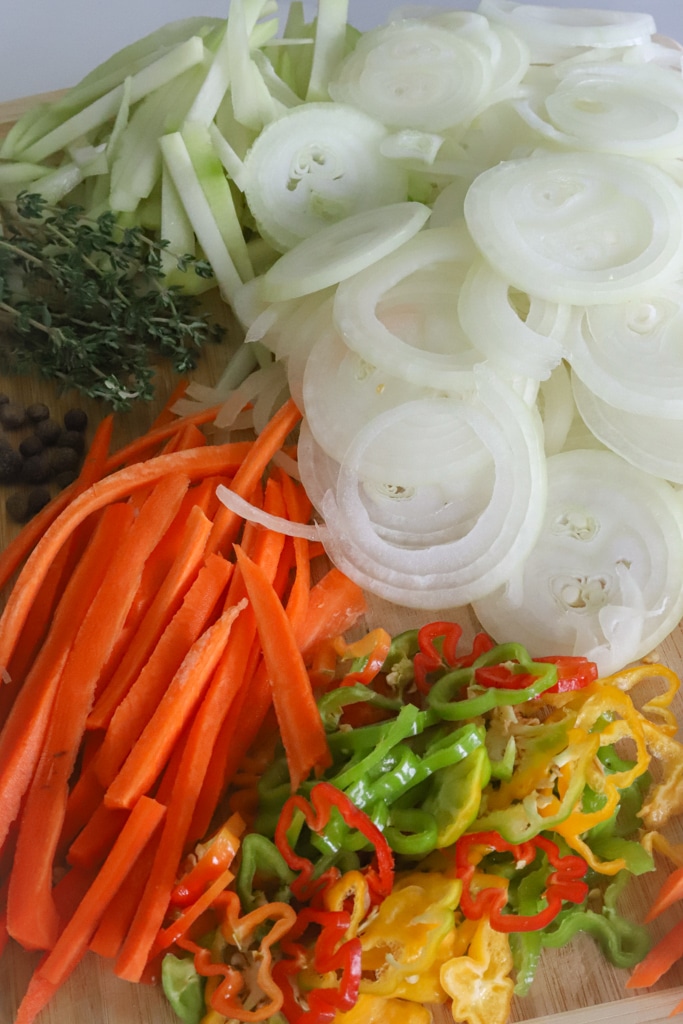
x,y
85,302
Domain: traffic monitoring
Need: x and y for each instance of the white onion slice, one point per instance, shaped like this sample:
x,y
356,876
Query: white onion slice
x,y
253,514
527,341
580,228
630,354
342,393
341,250
411,329
413,74
557,408
605,579
636,110
651,443
553,32
491,531
314,165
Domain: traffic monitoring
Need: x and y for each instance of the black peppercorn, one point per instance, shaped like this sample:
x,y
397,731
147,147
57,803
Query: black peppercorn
x,y
76,419
36,470
71,439
61,459
31,445
11,464
36,499
37,412
12,415
48,431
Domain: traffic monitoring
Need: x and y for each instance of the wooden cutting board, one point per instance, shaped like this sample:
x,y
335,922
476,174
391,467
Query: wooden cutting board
x,y
574,985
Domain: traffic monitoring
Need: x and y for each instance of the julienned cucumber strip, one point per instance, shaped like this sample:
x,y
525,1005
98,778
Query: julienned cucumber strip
x,y
137,165
45,117
329,46
155,76
216,188
179,163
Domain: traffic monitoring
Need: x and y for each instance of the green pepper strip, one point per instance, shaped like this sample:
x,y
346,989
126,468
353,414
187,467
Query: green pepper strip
x,y
565,882
442,694
261,858
324,798
331,705
623,943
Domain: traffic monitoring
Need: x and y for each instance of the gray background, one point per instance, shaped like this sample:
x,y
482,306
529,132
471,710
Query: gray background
x,y
51,44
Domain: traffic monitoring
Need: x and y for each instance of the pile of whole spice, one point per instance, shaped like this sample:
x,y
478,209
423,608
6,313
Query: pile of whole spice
x,y
48,455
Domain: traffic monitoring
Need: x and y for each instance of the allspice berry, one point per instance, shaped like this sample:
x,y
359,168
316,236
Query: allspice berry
x,y
76,419
12,415
48,431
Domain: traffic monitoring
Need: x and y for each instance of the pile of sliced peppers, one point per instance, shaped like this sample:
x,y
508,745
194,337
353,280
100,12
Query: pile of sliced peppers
x,y
480,807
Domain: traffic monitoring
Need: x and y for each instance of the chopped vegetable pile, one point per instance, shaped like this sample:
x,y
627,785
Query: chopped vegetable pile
x,y
457,239
270,819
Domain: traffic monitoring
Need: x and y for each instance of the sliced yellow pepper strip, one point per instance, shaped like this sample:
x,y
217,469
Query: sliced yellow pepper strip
x,y
659,705
403,940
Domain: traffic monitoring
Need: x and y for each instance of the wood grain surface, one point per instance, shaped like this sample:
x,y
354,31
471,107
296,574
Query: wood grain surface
x,y
574,985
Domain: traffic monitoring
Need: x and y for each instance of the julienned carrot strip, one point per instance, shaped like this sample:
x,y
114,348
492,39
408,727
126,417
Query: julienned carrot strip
x,y
141,447
670,892
33,920
93,468
301,728
195,463
95,840
82,803
73,941
151,751
659,960
189,779
170,595
268,550
269,441
113,927
335,604
240,730
36,628
137,708
22,735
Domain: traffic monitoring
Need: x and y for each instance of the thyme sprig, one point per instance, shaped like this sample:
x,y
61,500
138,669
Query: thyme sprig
x,y
85,303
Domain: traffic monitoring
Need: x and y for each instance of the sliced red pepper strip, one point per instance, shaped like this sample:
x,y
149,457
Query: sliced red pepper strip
x,y
565,883
573,673
333,952
324,796
432,656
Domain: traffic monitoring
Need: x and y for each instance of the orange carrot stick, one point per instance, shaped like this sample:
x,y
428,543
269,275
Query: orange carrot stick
x,y
32,917
659,960
150,753
195,463
670,892
189,780
73,941
170,595
136,710
301,728
335,604
22,735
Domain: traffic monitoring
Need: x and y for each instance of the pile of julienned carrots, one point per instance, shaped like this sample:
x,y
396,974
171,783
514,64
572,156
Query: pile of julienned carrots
x,y
145,639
